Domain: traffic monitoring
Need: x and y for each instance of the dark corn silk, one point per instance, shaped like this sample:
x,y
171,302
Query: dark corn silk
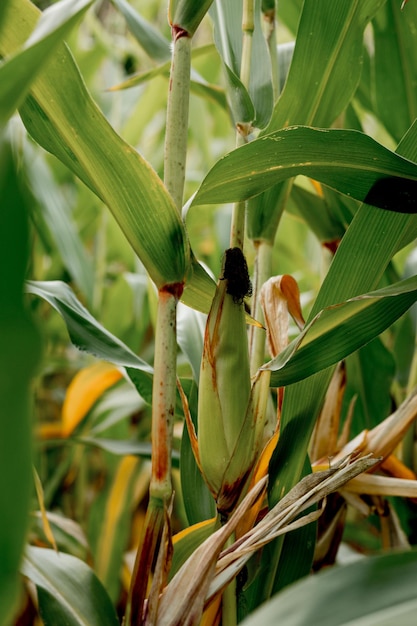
x,y
237,275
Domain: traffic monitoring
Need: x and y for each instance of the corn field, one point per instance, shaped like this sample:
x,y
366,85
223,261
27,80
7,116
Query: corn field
x,y
208,278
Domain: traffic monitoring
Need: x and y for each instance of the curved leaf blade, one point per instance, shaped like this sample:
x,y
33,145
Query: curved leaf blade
x,y
339,330
346,160
89,335
69,592
122,447
377,590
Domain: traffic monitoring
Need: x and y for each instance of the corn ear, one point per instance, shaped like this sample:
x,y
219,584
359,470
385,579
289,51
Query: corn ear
x,y
228,406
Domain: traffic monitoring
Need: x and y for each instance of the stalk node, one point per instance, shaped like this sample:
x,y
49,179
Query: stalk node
x,y
177,32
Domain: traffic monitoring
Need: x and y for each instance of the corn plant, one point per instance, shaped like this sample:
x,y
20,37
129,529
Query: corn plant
x,y
207,323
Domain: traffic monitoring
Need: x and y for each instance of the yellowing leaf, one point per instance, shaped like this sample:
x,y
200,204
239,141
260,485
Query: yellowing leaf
x,y
45,522
120,493
85,389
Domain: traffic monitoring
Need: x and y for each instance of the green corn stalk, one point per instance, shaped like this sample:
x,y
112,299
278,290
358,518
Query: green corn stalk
x,y
184,18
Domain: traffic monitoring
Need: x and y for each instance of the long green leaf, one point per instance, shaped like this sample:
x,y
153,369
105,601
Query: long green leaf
x,y
339,330
323,76
89,335
326,65
394,65
68,590
122,447
19,71
253,104
373,591
346,160
19,356
53,208
63,118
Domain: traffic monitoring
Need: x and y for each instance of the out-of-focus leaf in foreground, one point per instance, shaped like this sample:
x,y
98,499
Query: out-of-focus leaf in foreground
x,y
19,355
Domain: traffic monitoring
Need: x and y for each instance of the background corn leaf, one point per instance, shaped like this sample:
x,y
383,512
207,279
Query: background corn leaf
x,y
151,40
394,66
53,216
85,389
89,335
20,69
253,104
289,14
348,161
368,386
198,502
68,590
377,590
61,115
190,333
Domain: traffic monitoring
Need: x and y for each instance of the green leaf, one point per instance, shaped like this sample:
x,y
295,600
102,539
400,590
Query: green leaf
x,y
151,40
370,242
53,207
3,6
62,117
289,14
68,590
89,335
327,62
19,357
189,541
339,330
323,76
190,334
255,103
198,85
198,502
321,214
119,447
19,70
346,160
394,66
377,590
370,385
